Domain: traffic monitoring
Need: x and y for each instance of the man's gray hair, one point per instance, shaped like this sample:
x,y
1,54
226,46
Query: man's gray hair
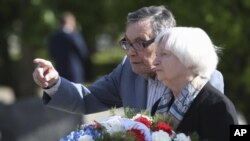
x,y
160,17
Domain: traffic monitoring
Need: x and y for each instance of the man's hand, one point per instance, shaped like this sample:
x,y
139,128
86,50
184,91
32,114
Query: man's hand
x,y
45,74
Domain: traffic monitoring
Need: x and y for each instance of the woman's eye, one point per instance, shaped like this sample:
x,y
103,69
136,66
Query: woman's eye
x,y
165,54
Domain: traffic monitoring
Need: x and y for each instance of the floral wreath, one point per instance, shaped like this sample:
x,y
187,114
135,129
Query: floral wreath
x,y
132,127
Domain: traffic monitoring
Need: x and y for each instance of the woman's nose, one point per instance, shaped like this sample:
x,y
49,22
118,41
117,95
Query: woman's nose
x,y
156,61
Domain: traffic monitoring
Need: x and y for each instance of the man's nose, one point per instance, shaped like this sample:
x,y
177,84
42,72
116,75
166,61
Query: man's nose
x,y
131,51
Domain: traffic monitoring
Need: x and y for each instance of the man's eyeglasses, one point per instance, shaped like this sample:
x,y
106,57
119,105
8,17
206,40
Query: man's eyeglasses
x,y
138,46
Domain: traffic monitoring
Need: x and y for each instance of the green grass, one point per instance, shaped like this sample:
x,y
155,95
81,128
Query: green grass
x,y
103,62
108,56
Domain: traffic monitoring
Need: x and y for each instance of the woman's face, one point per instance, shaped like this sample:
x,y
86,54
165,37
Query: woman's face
x,y
168,67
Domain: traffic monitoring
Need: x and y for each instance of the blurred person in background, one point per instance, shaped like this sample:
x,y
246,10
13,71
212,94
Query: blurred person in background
x,y
68,49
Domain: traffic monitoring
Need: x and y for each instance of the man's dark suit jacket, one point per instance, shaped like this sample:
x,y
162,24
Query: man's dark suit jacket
x,y
210,115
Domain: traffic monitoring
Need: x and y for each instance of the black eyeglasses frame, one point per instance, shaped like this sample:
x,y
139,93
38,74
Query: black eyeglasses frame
x,y
144,43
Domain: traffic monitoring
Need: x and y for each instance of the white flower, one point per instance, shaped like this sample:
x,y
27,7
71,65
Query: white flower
x,y
182,137
144,116
86,138
113,124
160,136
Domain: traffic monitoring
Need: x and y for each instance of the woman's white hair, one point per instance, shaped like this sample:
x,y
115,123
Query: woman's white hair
x,y
193,47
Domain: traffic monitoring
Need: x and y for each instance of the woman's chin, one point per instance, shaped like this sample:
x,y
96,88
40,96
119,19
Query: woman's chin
x,y
159,78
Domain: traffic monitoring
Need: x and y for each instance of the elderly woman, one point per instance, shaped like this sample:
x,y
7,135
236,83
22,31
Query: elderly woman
x,y
185,59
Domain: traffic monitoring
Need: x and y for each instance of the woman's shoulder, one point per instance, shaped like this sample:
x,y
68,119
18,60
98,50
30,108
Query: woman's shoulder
x,y
209,96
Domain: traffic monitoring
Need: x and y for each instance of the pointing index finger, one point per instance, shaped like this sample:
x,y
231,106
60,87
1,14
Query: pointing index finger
x,y
41,62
